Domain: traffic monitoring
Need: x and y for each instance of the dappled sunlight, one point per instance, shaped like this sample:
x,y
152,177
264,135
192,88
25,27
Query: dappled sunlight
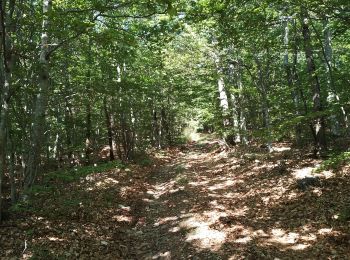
x,y
161,189
200,234
166,220
199,183
281,149
204,237
55,239
303,172
311,172
224,185
204,203
123,218
162,255
280,236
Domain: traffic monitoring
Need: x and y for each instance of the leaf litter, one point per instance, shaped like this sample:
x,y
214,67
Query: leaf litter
x,y
198,201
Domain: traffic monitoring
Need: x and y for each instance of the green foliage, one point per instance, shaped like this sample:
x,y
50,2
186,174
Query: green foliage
x,y
138,73
41,252
21,207
74,174
344,214
36,189
335,161
142,159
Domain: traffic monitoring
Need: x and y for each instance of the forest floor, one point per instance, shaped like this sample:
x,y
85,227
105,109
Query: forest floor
x,y
196,201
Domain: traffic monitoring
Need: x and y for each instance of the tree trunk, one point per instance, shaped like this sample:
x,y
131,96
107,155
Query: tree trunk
x,y
291,80
265,105
109,129
224,105
242,124
154,127
88,141
6,27
332,95
318,121
12,171
41,101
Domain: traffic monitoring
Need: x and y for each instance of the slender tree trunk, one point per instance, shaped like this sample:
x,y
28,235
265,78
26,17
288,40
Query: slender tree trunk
x,y
68,124
155,127
223,97
6,27
318,121
41,101
224,105
242,124
40,104
88,141
12,171
332,95
291,79
109,129
265,105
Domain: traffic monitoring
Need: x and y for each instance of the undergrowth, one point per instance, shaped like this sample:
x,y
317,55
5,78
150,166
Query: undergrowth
x,y
71,175
48,186
335,162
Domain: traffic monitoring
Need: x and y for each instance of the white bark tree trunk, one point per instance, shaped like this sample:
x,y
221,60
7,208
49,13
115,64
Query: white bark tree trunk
x,y
41,101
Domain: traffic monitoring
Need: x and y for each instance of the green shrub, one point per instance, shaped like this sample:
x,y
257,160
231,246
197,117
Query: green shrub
x,y
71,175
335,162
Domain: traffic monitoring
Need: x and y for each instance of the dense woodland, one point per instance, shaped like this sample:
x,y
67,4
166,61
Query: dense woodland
x,y
88,81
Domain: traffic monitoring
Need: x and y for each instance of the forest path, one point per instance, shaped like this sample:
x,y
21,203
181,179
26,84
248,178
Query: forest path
x,y
208,203
196,201
173,215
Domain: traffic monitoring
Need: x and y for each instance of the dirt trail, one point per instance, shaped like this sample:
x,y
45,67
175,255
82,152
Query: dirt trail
x,y
211,204
169,224
196,202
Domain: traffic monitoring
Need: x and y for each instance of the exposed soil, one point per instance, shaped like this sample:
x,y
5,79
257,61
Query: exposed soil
x,y
196,202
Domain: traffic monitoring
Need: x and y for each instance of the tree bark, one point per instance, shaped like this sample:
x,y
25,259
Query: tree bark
x,y
88,141
41,101
109,129
5,95
291,78
265,104
318,121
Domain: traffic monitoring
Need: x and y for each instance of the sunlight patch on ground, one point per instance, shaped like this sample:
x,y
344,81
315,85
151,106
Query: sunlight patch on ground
x,y
292,240
161,189
122,218
303,172
106,182
201,234
281,149
163,221
328,174
281,237
56,239
193,156
205,237
299,247
216,205
164,256
221,186
199,183
325,231
243,240
310,172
